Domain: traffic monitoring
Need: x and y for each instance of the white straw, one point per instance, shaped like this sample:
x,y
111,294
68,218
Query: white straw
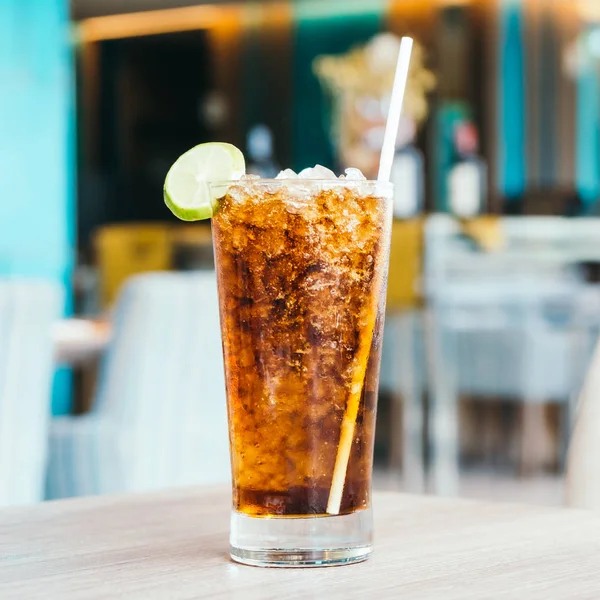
x,y
362,356
393,119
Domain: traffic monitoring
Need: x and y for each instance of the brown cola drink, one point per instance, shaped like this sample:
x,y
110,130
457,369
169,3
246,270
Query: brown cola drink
x,y
302,269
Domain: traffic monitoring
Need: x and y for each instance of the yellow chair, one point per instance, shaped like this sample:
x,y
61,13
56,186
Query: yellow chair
x,y
130,249
406,262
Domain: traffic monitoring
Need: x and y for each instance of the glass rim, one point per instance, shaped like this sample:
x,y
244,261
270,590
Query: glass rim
x,y
297,180
362,187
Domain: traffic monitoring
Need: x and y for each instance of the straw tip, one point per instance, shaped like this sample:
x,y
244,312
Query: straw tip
x,y
393,119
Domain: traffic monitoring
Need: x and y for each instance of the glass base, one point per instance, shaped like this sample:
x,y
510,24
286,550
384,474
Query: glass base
x,y
301,541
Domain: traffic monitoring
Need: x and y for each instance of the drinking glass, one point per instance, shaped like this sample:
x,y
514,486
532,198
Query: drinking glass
x,y
302,274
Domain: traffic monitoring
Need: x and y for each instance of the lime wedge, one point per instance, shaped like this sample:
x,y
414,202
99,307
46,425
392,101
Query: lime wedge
x,y
187,190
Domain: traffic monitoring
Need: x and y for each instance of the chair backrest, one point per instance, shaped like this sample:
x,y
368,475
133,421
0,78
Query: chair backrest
x,y
583,464
530,248
162,384
512,306
28,311
406,264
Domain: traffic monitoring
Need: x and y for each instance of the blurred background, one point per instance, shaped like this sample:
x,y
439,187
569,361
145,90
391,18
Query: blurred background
x,y
493,304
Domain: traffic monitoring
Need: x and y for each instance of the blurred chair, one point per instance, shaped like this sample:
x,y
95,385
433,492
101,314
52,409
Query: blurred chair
x,y
583,465
159,417
28,311
501,323
130,249
403,364
403,375
406,265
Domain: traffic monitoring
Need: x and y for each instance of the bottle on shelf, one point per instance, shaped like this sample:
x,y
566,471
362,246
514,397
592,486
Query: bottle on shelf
x,y
467,179
408,174
260,152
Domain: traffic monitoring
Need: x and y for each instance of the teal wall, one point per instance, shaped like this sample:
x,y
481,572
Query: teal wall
x,y
321,29
36,151
512,168
588,132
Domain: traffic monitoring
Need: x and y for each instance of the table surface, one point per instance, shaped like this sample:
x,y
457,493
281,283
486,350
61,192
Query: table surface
x,y
174,546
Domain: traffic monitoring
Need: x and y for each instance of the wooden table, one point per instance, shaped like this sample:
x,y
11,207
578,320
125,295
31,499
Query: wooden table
x,y
174,546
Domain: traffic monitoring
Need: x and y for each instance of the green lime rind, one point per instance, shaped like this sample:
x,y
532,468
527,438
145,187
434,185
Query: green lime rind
x,y
188,214
187,190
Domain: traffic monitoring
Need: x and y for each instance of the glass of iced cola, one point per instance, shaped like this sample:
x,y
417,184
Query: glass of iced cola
x,y
302,273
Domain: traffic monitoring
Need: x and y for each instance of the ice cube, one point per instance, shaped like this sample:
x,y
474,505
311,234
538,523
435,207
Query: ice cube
x,y
306,173
237,192
323,172
287,174
298,190
353,174
297,201
317,172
